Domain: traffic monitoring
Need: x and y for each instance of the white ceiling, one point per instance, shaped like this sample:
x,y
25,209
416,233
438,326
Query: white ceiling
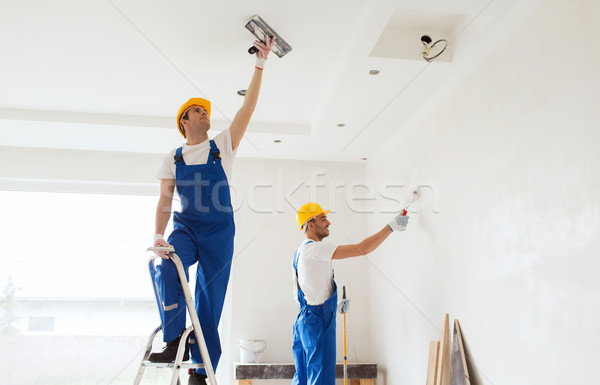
x,y
110,74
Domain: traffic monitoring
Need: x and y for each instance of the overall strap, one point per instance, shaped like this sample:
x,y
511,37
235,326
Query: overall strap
x,y
179,156
295,263
214,152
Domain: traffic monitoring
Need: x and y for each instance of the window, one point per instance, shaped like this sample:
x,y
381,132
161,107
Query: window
x,y
76,269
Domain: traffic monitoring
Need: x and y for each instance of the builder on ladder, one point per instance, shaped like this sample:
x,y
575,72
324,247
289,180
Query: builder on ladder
x,y
316,292
204,230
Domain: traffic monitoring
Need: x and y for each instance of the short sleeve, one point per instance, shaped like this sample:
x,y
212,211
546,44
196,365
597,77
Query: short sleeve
x,y
323,251
167,169
223,142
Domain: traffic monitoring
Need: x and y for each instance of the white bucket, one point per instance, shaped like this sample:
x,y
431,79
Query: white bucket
x,y
252,350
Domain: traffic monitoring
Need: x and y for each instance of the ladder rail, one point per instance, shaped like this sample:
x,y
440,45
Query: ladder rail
x,y
142,367
189,300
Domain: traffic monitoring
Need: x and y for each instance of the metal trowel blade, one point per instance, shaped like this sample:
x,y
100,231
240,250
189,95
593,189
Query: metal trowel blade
x,y
261,29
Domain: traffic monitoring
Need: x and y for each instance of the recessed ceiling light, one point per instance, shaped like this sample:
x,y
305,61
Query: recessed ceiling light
x,y
277,141
341,125
374,72
241,92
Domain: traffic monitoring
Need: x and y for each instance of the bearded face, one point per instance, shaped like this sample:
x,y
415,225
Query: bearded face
x,y
319,226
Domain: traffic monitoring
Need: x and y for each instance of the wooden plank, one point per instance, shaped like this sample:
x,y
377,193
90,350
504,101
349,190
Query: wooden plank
x,y
459,374
362,381
244,382
432,364
357,371
266,371
462,352
472,371
263,371
443,370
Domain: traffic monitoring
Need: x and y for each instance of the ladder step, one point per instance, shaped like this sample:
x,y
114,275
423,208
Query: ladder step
x,y
184,365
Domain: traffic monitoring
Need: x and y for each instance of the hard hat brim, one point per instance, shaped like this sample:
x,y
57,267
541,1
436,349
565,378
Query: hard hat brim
x,y
313,217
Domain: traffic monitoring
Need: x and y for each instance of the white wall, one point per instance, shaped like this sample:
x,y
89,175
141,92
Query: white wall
x,y
510,150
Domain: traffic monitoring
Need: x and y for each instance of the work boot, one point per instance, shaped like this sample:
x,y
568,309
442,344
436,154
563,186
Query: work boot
x,y
196,378
170,351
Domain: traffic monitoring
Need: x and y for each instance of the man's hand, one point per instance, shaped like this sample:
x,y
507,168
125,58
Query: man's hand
x,y
160,241
399,223
263,51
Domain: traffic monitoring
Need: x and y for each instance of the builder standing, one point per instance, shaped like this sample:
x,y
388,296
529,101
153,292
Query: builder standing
x,y
316,292
203,231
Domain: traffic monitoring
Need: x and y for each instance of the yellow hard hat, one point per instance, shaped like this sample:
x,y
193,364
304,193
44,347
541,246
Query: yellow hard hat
x,y
309,211
198,101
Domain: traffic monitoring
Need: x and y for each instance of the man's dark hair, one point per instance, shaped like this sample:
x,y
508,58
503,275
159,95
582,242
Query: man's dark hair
x,y
186,117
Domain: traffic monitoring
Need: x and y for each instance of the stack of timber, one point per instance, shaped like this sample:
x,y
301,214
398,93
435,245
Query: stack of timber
x,y
451,364
438,369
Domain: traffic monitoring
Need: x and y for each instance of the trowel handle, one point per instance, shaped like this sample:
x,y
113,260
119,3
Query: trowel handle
x,y
343,292
252,50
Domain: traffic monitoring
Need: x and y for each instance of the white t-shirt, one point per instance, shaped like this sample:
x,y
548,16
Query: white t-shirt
x,y
198,154
315,271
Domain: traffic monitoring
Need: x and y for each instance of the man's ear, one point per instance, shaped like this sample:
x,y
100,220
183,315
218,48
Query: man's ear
x,y
182,126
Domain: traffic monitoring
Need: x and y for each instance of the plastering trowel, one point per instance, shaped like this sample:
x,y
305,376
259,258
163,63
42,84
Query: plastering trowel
x,y
261,29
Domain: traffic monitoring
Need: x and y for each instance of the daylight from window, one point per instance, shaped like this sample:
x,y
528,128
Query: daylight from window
x,y
75,285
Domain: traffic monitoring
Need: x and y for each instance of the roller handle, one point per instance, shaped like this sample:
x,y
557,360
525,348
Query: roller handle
x,y
404,212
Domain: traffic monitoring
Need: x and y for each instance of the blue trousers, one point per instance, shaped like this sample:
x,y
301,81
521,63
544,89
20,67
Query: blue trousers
x,y
314,343
212,276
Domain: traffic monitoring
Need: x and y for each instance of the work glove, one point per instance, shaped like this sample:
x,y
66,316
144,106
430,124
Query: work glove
x,y
399,223
344,306
160,241
263,51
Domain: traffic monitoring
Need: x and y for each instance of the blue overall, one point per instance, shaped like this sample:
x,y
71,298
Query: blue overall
x,y
203,232
314,339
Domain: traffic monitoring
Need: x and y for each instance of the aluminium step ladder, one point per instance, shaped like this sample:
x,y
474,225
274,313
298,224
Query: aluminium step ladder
x,y
177,365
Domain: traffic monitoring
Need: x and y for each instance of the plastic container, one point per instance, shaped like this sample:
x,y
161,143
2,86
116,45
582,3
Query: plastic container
x,y
252,350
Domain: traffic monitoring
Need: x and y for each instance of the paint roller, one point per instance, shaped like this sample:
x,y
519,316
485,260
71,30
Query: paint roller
x,y
415,196
261,30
